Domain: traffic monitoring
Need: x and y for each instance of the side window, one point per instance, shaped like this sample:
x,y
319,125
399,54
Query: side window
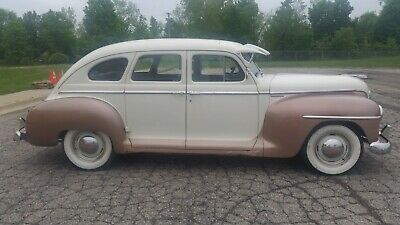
x,y
165,68
110,70
216,68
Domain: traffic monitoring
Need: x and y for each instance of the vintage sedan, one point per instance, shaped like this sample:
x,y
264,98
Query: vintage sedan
x,y
203,97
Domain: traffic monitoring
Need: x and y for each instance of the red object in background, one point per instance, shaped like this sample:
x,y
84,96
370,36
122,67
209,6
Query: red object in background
x,y
54,78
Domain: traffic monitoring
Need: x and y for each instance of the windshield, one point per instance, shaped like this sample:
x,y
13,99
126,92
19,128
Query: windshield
x,y
255,69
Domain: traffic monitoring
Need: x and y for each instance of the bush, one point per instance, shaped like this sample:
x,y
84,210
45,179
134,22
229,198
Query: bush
x,y
26,61
58,58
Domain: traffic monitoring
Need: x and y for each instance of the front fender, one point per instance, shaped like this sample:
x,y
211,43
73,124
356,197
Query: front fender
x,y
286,130
46,121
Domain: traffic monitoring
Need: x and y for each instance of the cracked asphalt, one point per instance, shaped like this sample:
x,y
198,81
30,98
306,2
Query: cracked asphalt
x,y
40,186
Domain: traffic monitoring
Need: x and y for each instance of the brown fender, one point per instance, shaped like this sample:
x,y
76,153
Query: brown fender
x,y
285,130
48,120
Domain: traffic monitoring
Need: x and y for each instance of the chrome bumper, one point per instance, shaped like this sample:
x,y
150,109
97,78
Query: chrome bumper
x,y
383,145
20,135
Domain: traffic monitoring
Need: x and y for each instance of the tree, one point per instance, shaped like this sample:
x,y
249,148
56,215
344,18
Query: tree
x,y
344,40
364,27
236,20
155,28
16,44
5,18
102,24
388,24
174,28
327,17
240,21
31,21
129,13
57,33
288,28
141,30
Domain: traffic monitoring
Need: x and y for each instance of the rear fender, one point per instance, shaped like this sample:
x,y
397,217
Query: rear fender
x,y
48,120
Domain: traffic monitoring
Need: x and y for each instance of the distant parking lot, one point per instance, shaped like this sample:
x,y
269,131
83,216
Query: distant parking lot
x,y
39,185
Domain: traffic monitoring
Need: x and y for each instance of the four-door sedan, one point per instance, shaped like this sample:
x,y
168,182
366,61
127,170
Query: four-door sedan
x,y
203,97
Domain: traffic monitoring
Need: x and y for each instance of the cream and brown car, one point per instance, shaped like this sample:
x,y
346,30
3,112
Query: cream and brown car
x,y
203,97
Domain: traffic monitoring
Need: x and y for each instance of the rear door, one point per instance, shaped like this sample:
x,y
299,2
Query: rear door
x,y
155,96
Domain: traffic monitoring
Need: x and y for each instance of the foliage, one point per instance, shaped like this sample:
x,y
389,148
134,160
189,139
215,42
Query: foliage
x,y
102,25
344,40
58,58
56,33
236,20
155,28
15,40
388,24
364,28
32,21
327,17
5,18
288,28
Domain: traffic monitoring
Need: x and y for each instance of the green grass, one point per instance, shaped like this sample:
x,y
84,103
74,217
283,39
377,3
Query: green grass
x,y
15,79
380,62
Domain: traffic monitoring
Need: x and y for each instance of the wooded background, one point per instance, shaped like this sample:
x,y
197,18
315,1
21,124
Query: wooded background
x,y
292,32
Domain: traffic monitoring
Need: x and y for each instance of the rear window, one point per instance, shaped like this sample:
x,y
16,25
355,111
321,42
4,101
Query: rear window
x,y
110,70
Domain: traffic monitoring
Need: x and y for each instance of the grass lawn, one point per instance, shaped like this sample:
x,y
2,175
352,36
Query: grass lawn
x,y
381,62
14,79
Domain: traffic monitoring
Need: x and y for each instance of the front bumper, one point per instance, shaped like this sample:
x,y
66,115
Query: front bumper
x,y
20,135
383,145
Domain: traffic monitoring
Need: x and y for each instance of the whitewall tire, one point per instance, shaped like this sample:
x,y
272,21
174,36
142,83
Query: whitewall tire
x,y
333,149
88,150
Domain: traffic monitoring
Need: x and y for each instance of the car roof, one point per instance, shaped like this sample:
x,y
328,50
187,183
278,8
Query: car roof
x,y
176,44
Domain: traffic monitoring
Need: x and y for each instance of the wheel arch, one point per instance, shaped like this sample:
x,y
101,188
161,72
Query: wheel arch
x,y
286,129
49,121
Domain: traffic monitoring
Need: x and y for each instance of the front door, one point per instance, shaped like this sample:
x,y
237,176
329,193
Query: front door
x,y
222,105
155,96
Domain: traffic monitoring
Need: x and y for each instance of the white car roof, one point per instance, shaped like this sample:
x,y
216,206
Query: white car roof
x,y
177,45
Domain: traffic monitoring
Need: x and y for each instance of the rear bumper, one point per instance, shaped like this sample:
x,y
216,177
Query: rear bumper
x,y
20,135
383,145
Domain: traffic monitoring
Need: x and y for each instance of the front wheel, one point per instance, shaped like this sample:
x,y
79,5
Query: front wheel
x,y
333,149
88,150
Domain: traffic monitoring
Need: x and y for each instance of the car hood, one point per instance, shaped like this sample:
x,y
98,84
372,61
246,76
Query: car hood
x,y
287,83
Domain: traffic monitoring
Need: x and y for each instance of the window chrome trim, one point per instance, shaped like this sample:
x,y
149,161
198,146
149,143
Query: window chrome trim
x,y
344,117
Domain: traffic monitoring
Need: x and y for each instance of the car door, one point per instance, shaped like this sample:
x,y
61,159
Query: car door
x,y
222,105
155,96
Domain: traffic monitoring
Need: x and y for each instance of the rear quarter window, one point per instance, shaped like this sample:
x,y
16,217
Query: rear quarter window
x,y
110,70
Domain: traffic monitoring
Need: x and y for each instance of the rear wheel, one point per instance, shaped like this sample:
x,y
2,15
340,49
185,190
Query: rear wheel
x,y
88,150
333,149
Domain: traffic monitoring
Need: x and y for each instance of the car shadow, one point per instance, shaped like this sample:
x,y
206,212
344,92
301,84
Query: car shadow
x,y
56,158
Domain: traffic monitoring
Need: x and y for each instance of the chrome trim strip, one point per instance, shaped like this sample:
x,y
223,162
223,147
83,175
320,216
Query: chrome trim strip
x,y
156,92
309,92
344,117
91,92
221,93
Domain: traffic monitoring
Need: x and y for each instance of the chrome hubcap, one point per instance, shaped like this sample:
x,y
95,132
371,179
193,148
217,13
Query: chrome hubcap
x,y
333,149
88,146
